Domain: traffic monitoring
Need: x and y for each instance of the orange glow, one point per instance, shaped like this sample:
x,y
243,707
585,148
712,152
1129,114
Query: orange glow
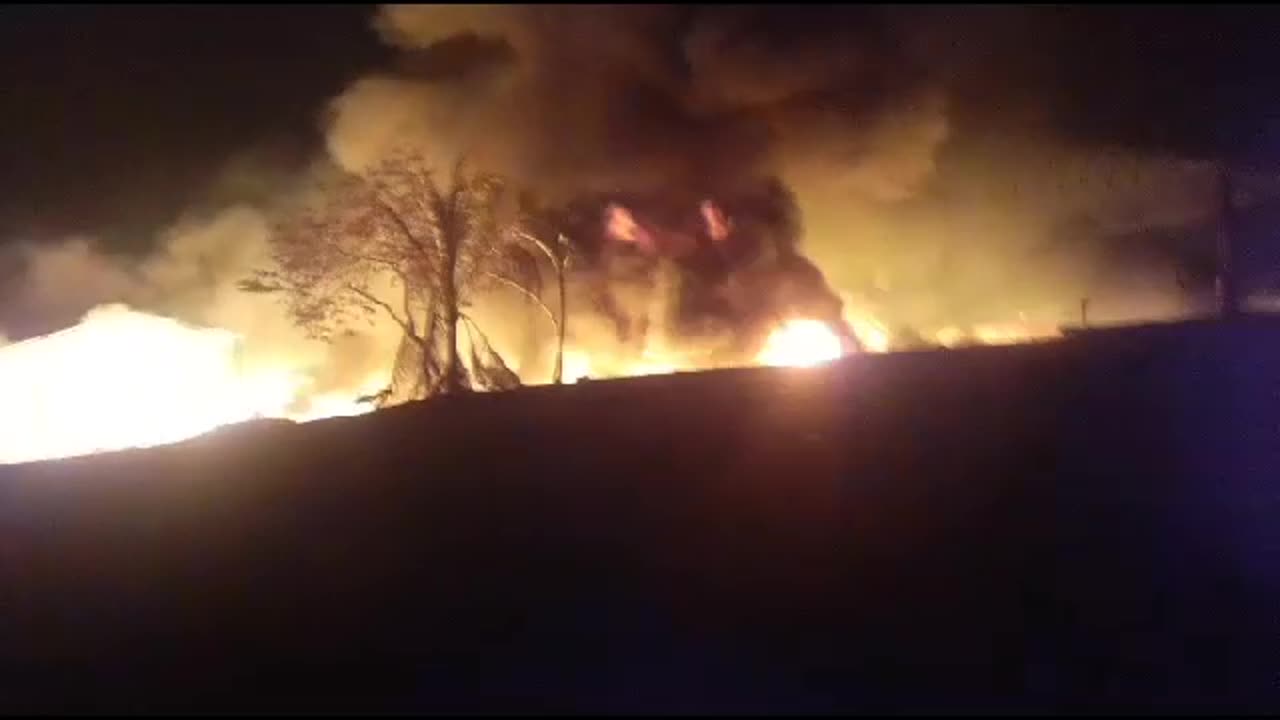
x,y
621,225
873,336
123,379
1011,334
801,343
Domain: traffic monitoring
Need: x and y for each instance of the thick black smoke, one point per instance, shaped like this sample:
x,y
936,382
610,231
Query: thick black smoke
x,y
646,98
941,180
658,111
724,271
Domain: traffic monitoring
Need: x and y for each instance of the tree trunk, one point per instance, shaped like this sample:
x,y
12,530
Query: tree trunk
x,y
560,327
449,296
430,380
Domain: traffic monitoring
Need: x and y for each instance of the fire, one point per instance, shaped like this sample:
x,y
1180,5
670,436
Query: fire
x,y
949,336
995,334
801,343
1008,334
718,226
577,365
621,225
123,379
872,335
580,364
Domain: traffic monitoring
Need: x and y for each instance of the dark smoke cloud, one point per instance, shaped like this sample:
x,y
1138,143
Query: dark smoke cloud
x,y
635,98
663,108
913,154
191,275
918,156
941,167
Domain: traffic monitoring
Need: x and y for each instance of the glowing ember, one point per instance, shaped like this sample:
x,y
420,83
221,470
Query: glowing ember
x,y
801,343
123,379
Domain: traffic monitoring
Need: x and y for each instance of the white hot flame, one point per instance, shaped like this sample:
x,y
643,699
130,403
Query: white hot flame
x,y
801,343
123,379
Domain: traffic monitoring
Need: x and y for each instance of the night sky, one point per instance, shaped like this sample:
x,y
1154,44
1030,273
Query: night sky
x,y
115,118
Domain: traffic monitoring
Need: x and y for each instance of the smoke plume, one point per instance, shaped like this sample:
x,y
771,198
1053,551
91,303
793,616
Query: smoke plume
x,y
633,99
191,276
718,167
660,110
904,152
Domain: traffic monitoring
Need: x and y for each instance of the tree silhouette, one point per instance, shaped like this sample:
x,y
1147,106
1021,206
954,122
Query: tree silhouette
x,y
396,241
535,227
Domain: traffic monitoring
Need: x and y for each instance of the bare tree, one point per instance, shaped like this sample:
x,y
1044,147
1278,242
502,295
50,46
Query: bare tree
x,y
533,228
356,245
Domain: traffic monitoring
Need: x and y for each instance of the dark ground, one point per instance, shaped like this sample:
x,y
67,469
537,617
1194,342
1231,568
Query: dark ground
x,y
1089,525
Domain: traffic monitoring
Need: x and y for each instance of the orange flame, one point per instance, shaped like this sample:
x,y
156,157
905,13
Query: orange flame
x,y
123,379
621,225
801,343
718,226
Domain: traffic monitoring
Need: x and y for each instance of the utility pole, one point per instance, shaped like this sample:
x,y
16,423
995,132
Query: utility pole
x,y
1228,295
560,260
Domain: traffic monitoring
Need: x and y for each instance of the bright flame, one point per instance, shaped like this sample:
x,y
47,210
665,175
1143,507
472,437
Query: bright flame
x,y
949,336
580,364
1004,334
795,343
339,404
718,226
123,379
801,343
577,365
621,225
873,336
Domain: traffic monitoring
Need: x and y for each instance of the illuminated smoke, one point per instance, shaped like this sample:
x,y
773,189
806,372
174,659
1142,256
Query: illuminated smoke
x,y
667,128
725,171
780,136
192,277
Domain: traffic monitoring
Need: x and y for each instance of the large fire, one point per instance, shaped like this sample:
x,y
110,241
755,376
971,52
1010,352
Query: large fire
x,y
124,379
801,343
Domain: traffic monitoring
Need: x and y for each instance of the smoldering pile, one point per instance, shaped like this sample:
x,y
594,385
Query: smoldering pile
x,y
688,123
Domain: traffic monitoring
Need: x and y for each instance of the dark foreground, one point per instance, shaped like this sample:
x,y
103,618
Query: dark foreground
x,y
1089,525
